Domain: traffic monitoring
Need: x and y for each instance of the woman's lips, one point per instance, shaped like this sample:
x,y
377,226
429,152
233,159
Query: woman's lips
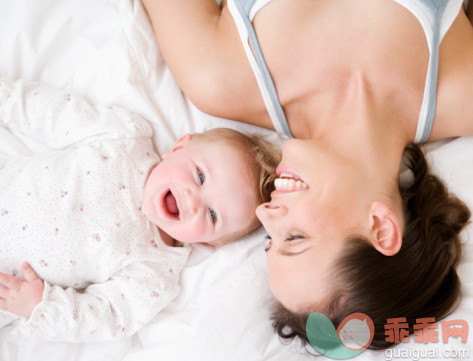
x,y
287,171
169,205
288,180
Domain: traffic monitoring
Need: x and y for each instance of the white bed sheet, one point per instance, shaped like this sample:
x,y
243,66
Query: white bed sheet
x,y
106,51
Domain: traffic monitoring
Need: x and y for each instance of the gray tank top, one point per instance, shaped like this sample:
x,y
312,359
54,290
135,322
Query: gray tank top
x,y
435,16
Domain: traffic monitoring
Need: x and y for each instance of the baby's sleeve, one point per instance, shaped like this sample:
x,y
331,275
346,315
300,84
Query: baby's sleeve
x,y
58,118
117,308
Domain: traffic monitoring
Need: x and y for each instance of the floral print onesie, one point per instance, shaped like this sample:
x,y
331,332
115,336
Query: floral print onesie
x,y
74,213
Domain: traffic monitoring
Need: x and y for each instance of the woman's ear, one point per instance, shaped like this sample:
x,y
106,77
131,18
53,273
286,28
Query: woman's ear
x,y
181,142
385,230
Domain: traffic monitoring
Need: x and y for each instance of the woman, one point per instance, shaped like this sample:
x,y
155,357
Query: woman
x,y
355,82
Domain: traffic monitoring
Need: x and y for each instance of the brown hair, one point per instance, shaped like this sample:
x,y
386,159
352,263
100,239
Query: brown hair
x,y
262,157
419,281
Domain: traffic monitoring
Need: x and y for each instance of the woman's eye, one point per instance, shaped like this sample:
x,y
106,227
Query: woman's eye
x,y
213,216
293,237
201,176
267,242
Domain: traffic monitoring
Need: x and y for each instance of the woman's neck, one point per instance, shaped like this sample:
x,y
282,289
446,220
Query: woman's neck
x,y
364,117
372,134
360,97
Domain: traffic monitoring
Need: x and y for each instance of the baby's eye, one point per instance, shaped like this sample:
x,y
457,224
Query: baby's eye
x,y
201,176
213,216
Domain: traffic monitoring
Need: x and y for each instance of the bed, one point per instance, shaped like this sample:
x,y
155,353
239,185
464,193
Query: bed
x,y
105,50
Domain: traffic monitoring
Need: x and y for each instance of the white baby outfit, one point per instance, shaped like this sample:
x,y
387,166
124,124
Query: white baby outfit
x,y
74,214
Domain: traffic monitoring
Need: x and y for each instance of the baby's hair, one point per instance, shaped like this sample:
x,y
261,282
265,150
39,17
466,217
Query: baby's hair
x,y
419,281
264,155
263,158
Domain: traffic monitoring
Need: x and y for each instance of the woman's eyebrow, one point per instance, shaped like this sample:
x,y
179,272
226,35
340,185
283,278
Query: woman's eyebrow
x,y
283,252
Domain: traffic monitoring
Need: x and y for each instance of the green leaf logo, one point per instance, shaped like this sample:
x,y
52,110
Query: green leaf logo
x,y
353,336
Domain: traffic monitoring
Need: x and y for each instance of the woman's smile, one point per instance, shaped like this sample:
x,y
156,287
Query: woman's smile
x,y
288,180
285,183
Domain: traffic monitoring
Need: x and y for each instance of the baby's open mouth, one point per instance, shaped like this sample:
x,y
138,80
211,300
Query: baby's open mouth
x,y
170,205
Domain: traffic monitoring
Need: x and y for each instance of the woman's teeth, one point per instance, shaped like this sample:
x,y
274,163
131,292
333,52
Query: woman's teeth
x,y
288,183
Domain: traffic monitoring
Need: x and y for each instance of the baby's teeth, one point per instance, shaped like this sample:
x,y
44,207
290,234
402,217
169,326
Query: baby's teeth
x,y
289,184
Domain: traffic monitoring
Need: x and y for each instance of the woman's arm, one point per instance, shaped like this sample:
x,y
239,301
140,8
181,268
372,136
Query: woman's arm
x,y
200,43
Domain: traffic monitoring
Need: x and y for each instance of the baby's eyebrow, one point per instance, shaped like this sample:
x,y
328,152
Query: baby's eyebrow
x,y
220,219
206,169
209,170
206,164
220,210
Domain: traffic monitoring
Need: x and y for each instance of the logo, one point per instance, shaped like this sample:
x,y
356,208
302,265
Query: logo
x,y
352,337
355,333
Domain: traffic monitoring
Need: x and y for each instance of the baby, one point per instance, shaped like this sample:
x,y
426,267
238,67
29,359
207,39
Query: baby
x,y
80,214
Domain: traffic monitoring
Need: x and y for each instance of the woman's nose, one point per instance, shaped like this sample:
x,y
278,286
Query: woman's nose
x,y
269,211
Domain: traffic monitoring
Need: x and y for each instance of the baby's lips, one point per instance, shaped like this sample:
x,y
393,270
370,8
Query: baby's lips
x,y
178,204
169,205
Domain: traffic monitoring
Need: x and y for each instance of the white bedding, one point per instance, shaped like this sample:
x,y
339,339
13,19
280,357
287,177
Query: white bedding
x,y
106,51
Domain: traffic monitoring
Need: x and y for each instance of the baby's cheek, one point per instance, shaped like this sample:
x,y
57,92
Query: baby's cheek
x,y
148,208
195,232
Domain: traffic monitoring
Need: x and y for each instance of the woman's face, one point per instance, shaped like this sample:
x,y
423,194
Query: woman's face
x,y
308,222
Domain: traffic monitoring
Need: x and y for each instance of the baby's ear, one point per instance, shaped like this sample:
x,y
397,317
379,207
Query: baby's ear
x,y
181,142
385,230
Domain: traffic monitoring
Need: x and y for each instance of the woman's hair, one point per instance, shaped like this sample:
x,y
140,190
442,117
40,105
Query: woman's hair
x,y
419,281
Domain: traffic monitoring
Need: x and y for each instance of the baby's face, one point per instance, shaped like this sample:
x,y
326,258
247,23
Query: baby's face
x,y
200,192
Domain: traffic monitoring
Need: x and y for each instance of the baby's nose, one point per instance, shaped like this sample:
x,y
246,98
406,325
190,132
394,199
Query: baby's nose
x,y
191,201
